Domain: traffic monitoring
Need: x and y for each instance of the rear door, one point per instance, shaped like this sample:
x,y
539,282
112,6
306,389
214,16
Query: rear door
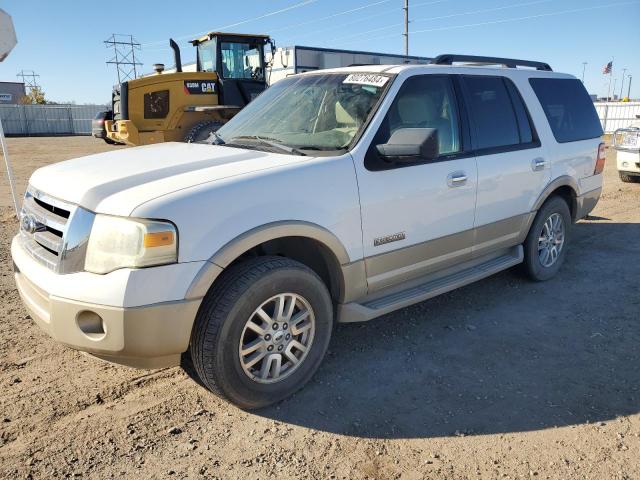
x,y
512,165
417,217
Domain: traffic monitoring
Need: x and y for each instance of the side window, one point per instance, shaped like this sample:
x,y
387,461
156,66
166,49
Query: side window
x,y
568,108
424,101
527,132
492,112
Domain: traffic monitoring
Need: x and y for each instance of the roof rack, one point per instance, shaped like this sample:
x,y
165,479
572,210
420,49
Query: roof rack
x,y
448,59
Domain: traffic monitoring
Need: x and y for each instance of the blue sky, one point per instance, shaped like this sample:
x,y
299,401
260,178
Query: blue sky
x,y
62,40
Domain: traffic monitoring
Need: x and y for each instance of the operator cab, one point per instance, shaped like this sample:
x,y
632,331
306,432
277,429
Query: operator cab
x,y
238,59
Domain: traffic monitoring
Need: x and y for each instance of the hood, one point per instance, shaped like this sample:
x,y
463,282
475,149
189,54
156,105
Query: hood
x,y
117,182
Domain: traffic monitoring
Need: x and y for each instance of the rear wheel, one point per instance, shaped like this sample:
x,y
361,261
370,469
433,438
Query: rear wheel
x,y
626,178
546,244
201,131
262,331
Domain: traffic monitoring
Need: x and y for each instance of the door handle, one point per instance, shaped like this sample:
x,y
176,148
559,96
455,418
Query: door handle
x,y
456,179
538,164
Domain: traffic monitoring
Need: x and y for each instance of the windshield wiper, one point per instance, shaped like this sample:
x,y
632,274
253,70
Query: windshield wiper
x,y
271,142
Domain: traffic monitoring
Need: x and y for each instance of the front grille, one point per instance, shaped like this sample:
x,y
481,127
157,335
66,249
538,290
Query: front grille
x,y
54,232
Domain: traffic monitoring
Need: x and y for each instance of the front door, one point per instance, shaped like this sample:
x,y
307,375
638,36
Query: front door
x,y
416,217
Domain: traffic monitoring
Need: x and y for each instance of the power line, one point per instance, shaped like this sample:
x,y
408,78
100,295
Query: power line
x,y
363,19
124,56
242,22
528,17
490,22
328,17
441,17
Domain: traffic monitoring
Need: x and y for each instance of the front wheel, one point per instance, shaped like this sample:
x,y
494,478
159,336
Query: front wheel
x,y
262,331
546,244
202,131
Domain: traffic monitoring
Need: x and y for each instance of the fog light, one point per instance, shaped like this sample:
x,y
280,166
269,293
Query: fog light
x,y
91,324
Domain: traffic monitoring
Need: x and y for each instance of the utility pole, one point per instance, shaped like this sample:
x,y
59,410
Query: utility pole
x,y
624,70
406,28
629,88
584,66
30,79
124,56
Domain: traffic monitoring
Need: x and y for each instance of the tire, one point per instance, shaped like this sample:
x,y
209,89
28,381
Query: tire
x,y
626,178
201,131
537,264
222,329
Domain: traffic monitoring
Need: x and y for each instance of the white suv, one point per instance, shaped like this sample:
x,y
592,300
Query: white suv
x,y
335,196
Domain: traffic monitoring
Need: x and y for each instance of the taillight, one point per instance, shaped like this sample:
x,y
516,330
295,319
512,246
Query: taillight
x,y
602,156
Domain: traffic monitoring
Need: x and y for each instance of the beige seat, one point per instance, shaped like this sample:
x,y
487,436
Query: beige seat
x,y
418,110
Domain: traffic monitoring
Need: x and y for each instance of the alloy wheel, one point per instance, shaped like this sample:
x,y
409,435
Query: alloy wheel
x,y
551,240
277,338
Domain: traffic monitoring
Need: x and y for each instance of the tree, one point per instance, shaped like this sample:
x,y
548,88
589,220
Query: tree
x,y
34,97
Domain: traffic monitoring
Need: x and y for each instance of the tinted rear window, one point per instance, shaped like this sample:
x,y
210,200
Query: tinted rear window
x,y
492,112
568,108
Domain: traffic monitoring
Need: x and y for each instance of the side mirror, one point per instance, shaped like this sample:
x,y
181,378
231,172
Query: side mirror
x,y
411,144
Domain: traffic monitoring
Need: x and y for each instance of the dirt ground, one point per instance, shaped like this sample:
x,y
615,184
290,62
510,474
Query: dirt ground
x,y
501,379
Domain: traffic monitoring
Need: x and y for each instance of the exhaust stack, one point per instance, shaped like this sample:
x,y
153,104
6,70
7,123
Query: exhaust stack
x,y
176,54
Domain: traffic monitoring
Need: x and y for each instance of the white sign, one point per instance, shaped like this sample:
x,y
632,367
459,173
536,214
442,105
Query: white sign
x,y
372,79
5,97
7,35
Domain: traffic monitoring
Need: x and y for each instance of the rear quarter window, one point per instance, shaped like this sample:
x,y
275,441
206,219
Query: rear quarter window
x,y
568,108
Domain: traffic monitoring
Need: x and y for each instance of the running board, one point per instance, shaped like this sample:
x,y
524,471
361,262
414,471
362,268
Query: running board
x,y
370,309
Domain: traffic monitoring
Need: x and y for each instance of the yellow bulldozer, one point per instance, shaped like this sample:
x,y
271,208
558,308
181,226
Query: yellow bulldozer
x,y
188,106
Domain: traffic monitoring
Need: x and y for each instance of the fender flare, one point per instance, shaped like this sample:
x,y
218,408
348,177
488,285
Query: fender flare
x,y
563,181
246,241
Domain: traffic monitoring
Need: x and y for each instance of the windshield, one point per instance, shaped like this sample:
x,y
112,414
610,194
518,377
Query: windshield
x,y
316,112
241,60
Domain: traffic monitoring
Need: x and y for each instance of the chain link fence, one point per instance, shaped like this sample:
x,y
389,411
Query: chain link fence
x,y
41,120
34,120
614,115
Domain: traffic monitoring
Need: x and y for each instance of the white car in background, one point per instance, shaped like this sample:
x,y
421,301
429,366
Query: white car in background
x,y
335,196
626,141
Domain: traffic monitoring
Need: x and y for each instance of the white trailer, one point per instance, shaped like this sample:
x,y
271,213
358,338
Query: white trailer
x,y
298,59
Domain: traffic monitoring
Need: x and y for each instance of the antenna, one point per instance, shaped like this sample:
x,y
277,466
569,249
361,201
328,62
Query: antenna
x,y
124,56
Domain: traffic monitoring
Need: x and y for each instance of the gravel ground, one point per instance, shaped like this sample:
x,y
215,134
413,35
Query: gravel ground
x,y
501,379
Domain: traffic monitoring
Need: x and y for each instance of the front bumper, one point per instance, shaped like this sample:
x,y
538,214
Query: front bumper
x,y
125,131
145,336
122,131
628,161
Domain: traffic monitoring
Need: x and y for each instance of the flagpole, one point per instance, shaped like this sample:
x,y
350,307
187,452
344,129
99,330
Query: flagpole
x,y
610,77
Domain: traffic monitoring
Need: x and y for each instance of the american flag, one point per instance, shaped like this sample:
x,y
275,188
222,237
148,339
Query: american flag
x,y
607,68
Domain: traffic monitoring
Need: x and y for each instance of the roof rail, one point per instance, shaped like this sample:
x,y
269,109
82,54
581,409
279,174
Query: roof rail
x,y
448,59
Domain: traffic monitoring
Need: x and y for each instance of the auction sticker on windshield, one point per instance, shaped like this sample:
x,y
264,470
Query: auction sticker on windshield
x,y
366,79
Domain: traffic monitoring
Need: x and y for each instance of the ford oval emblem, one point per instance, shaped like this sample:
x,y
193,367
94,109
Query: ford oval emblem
x,y
29,224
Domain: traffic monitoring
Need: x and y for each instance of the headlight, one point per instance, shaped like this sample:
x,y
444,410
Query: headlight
x,y
119,242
